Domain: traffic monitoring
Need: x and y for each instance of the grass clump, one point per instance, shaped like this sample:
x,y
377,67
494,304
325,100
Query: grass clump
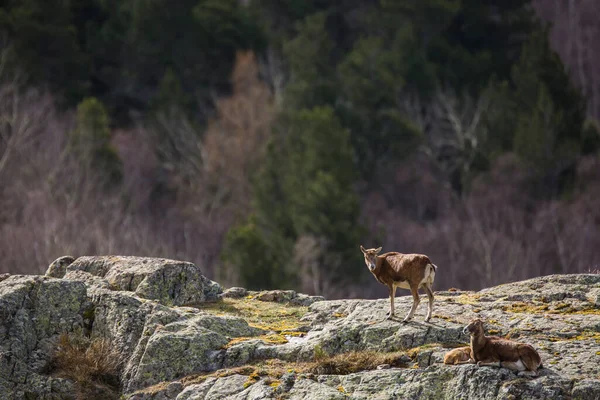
x,y
414,352
356,361
273,369
93,363
252,378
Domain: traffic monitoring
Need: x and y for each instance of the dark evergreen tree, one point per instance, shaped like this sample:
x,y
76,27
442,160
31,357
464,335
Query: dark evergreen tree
x,y
305,189
91,145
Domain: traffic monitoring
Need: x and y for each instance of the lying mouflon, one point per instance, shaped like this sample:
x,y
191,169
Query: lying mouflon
x,y
500,352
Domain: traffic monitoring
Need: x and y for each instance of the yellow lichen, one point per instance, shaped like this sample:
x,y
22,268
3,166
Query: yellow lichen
x,y
446,318
275,383
414,352
471,299
585,335
560,308
254,377
270,316
269,339
521,307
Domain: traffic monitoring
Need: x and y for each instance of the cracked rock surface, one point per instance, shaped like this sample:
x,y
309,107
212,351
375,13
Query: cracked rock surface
x,y
177,337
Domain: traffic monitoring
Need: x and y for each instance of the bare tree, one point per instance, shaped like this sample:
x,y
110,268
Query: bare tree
x,y
574,33
22,115
454,129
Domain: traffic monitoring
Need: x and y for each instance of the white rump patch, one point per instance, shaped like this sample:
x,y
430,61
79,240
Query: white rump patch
x,y
520,366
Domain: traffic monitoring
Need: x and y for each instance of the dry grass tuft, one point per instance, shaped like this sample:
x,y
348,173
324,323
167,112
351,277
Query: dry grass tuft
x,y
356,361
272,370
92,363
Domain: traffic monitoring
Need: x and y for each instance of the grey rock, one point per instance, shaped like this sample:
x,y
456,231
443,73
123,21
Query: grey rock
x,y
587,389
305,300
593,296
34,311
279,296
58,267
234,293
91,281
174,350
230,327
308,390
168,281
145,308
287,382
225,388
286,296
198,391
173,389
257,391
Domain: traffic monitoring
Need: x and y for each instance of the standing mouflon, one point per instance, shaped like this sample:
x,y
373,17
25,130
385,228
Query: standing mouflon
x,y
406,271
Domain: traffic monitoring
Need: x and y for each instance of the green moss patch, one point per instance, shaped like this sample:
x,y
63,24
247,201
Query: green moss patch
x,y
268,339
282,319
269,316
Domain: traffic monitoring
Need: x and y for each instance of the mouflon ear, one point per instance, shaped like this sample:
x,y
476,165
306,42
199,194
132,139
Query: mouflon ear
x,y
362,249
377,250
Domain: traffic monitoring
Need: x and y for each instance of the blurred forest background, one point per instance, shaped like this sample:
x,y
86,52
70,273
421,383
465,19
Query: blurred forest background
x,y
264,140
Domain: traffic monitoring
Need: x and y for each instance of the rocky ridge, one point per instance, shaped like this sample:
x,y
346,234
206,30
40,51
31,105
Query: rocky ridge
x,y
178,335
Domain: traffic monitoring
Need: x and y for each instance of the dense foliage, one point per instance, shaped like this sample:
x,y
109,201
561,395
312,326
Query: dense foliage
x,y
358,88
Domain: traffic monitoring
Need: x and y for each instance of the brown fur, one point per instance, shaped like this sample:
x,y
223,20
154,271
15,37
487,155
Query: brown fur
x,y
395,269
496,351
461,355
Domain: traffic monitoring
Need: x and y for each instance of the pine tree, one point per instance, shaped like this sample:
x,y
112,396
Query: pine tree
x,y
550,113
304,190
312,76
90,142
